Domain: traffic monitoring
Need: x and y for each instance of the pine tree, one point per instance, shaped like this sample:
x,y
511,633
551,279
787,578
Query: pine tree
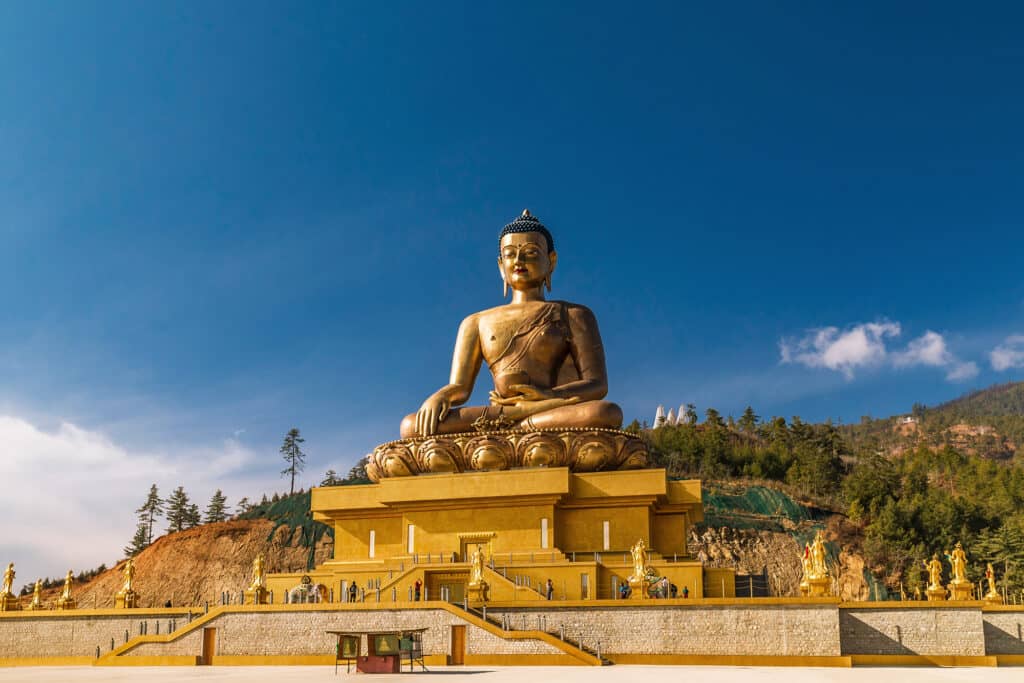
x,y
748,421
177,510
243,506
193,519
330,479
139,541
691,414
150,510
292,455
217,510
358,475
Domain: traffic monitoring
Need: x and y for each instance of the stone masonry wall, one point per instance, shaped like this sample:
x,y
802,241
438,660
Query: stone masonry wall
x,y
304,632
73,634
1004,632
770,629
921,631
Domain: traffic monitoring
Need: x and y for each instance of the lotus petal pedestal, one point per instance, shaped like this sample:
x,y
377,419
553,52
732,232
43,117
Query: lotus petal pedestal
x,y
579,449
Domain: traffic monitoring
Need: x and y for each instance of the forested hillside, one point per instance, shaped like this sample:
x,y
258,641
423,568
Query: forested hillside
x,y
908,488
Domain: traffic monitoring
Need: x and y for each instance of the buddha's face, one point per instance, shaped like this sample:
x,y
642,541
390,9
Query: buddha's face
x,y
524,260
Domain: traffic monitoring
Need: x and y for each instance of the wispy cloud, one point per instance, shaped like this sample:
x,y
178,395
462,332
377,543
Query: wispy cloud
x,y
78,489
840,350
930,350
865,345
1009,354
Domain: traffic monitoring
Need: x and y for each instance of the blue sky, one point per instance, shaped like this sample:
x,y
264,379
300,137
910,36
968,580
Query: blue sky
x,y
222,220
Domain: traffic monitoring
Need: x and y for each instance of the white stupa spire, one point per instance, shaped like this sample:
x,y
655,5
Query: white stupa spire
x,y
681,416
671,418
659,417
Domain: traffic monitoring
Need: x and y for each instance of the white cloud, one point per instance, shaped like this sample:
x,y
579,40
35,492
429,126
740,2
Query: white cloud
x,y
1009,354
72,492
864,345
858,346
928,349
961,372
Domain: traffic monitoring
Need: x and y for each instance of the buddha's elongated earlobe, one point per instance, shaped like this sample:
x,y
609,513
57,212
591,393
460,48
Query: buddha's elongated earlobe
x,y
504,288
547,282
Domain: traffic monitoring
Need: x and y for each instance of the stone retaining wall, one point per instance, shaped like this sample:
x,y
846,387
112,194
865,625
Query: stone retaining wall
x,y
76,634
305,633
745,628
770,629
951,631
1004,632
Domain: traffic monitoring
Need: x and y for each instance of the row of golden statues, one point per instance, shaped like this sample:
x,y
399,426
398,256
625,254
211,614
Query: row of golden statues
x,y
816,581
126,597
9,601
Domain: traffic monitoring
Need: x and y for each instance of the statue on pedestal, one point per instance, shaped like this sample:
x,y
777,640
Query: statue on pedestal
x,y
959,587
65,601
127,598
935,591
37,596
808,570
8,600
257,593
818,581
477,587
547,362
638,580
992,596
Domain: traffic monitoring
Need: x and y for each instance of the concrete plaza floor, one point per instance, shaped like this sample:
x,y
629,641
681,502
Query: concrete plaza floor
x,y
499,674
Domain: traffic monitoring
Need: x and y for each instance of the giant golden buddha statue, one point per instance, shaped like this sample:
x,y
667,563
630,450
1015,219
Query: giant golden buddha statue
x,y
547,362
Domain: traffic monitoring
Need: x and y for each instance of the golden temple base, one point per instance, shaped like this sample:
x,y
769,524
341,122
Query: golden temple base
x,y
9,603
936,594
126,600
961,591
416,535
993,599
257,596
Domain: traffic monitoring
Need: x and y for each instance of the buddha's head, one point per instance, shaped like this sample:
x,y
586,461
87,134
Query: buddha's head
x,y
526,254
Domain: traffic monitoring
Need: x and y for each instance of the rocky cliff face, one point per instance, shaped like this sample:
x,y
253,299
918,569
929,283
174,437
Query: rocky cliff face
x,y
751,551
197,565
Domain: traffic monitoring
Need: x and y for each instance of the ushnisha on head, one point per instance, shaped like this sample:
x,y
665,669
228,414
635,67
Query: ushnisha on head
x,y
526,254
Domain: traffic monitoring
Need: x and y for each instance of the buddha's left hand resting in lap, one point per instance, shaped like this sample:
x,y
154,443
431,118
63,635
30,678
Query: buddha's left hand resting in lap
x,y
545,357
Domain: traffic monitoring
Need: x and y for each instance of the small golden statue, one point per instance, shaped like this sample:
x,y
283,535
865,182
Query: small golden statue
x,y
808,570
815,566
257,593
639,579
547,361
37,596
935,591
127,598
959,587
65,601
992,596
477,586
8,600
259,576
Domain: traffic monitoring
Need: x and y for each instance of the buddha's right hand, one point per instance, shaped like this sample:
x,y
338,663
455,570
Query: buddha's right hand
x,y
433,411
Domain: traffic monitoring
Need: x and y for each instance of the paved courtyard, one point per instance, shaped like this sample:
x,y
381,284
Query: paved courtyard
x,y
498,674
